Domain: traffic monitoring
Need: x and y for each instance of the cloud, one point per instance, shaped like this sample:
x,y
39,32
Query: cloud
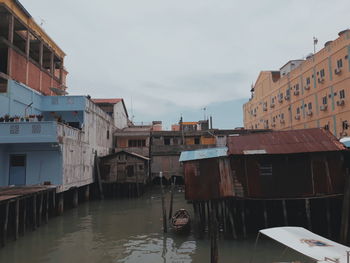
x,y
171,56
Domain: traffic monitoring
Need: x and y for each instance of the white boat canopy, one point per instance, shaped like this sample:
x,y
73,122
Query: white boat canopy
x,y
309,244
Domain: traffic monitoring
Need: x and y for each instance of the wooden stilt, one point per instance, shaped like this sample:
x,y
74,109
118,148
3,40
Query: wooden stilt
x,y
47,207
75,197
165,228
308,213
60,204
172,199
214,255
328,216
16,219
87,193
344,228
5,224
285,215
40,209
34,213
265,214
232,223
244,228
24,217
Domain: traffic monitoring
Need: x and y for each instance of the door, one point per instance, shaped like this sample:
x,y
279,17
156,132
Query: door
x,y
17,170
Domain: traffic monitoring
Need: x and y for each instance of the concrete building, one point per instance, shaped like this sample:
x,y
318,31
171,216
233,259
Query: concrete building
x,y
27,54
309,93
50,139
116,109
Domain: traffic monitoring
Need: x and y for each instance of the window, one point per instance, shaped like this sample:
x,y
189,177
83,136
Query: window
x,y
324,100
322,73
309,106
308,81
175,141
345,125
342,94
137,143
282,116
140,167
297,87
339,63
166,141
197,140
298,110
326,127
265,169
3,85
108,135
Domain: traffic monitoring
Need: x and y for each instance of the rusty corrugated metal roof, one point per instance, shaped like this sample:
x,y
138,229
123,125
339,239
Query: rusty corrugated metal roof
x,y
285,142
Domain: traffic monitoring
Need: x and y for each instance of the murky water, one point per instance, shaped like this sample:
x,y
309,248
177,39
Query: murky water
x,y
127,231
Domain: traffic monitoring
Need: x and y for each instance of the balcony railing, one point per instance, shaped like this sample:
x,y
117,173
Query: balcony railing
x,y
36,132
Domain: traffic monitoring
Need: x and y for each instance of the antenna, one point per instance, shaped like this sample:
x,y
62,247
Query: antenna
x,y
204,112
315,43
132,111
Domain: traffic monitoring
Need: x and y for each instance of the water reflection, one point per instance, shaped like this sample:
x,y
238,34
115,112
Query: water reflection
x,y
126,231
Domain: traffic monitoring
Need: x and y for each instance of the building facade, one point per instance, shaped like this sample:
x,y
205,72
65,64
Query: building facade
x,y
27,54
309,93
50,139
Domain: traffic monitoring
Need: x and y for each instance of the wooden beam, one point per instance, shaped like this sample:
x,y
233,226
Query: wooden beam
x,y
5,224
16,219
34,212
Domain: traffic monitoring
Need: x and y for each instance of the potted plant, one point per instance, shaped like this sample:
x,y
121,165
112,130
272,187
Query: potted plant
x,y
16,118
22,119
31,117
39,117
11,119
7,118
26,118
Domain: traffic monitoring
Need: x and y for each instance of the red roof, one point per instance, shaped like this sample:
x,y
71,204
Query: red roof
x,y
107,101
284,142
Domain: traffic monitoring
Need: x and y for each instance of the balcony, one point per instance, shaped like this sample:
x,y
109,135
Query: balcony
x,y
28,132
36,132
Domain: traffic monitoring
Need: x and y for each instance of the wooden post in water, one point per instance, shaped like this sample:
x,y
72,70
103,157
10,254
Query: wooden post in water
x,y
98,177
214,255
41,208
285,216
243,219
5,225
308,213
24,217
34,212
16,219
165,228
344,227
172,198
75,197
60,204
47,207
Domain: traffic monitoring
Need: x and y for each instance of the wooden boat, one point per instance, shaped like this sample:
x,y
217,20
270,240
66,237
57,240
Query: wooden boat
x,y
314,247
180,222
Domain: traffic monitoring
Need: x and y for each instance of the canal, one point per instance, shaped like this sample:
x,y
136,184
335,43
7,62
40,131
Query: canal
x,y
128,230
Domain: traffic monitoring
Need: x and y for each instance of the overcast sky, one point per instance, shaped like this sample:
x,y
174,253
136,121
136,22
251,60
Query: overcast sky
x,y
167,58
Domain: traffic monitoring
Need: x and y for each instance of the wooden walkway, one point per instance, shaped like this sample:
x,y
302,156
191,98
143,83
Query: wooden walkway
x,y
24,207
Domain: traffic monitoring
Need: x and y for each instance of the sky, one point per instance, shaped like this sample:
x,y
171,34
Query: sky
x,y
174,58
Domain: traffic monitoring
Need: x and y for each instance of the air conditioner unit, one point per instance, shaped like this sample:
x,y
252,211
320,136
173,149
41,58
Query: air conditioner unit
x,y
309,113
287,97
297,117
337,71
296,92
323,107
282,121
340,102
307,87
320,80
272,105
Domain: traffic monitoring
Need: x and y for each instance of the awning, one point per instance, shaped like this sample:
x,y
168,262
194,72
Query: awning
x,y
308,243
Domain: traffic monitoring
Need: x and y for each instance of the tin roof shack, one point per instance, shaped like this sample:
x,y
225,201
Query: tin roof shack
x,y
126,170
207,174
280,164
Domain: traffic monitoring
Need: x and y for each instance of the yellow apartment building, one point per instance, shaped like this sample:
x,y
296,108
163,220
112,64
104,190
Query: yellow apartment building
x,y
309,93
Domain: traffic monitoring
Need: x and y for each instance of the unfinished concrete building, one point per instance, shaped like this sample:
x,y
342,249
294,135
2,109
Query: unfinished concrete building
x,y
27,54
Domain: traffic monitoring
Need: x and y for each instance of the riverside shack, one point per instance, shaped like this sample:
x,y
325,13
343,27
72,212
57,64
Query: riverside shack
x,y
295,163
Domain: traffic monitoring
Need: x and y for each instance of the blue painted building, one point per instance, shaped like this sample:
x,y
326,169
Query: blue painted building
x,y
60,147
